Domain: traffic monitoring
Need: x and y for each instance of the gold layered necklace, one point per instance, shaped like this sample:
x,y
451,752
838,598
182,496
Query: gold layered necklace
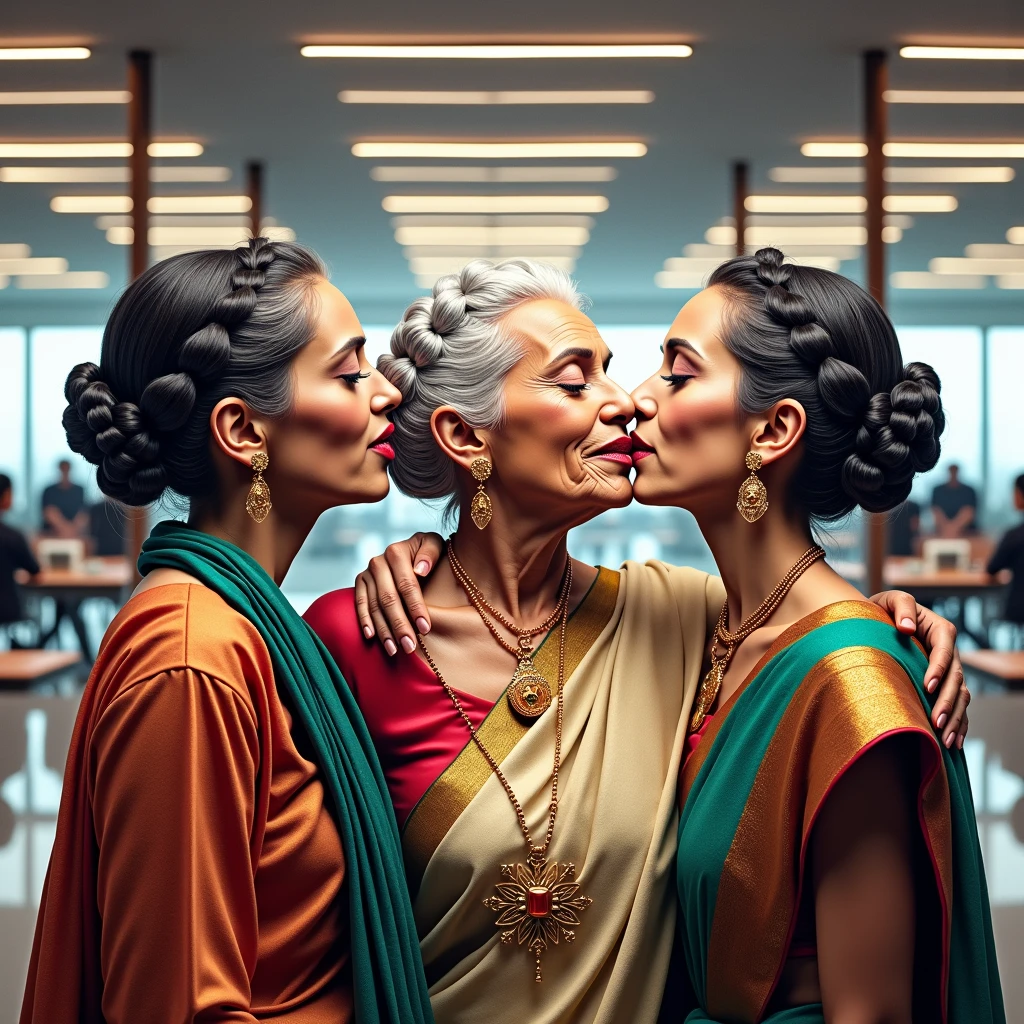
x,y
537,903
529,693
729,641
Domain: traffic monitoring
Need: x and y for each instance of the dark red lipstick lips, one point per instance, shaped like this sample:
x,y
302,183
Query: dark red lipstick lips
x,y
381,446
641,449
618,450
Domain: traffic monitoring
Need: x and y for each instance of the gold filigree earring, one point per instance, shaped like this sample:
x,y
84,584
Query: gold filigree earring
x,y
257,503
480,507
753,499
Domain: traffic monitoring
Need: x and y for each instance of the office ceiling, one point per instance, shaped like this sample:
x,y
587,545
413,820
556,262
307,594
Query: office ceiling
x,y
762,79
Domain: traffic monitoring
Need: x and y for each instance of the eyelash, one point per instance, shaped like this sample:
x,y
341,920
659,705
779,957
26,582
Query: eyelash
x,y
575,389
353,378
676,380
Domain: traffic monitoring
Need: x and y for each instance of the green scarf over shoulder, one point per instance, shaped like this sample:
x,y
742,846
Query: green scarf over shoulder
x,y
390,986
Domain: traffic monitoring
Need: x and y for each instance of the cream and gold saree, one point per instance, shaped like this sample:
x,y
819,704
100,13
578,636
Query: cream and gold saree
x,y
633,655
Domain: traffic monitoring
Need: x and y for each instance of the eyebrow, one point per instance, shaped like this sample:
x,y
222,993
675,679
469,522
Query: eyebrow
x,y
346,346
674,343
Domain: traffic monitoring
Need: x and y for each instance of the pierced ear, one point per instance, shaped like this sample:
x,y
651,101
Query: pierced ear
x,y
780,430
237,430
456,438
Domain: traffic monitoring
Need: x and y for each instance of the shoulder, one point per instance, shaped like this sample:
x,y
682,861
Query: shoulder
x,y
186,626
333,619
681,583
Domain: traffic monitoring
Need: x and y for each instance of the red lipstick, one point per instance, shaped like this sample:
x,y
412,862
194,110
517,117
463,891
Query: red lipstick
x,y
617,450
381,446
641,449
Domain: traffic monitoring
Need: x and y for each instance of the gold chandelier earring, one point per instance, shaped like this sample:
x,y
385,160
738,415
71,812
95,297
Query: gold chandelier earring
x,y
480,507
257,502
753,498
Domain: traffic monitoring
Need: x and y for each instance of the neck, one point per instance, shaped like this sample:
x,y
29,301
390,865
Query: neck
x,y
274,543
517,567
753,557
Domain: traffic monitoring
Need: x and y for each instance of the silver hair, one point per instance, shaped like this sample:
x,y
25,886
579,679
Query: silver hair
x,y
451,349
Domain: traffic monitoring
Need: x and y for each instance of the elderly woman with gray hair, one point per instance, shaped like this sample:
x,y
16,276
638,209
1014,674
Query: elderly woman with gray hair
x,y
538,815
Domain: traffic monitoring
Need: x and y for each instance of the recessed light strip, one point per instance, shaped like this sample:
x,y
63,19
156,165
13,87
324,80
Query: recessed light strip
x,y
95,150
70,279
110,175
450,264
94,96
494,175
917,150
34,265
966,265
953,96
495,98
500,51
44,52
158,204
962,52
198,237
495,204
14,251
922,280
492,252
505,220
529,236
899,175
497,150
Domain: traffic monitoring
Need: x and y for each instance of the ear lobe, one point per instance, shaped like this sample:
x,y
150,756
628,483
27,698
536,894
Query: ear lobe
x,y
236,431
456,438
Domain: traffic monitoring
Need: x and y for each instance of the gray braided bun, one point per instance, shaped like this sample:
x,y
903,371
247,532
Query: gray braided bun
x,y
185,334
812,335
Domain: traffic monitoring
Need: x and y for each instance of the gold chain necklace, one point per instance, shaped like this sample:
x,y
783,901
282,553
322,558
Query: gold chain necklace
x,y
712,682
537,902
529,693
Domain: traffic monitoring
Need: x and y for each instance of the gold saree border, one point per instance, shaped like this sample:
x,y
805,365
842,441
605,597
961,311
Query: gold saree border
x,y
837,612
450,794
850,700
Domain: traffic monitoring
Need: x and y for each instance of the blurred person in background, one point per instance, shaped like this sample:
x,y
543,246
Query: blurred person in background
x,y
15,554
1010,555
63,507
905,530
954,507
107,529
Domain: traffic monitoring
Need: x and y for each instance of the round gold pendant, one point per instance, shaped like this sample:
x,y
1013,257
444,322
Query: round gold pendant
x,y
529,693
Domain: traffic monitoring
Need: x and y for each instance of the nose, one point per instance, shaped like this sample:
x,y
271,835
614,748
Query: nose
x,y
644,402
386,397
618,410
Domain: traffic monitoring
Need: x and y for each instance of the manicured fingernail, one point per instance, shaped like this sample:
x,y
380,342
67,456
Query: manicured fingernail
x,y
408,644
931,684
949,740
960,742
907,623
422,568
422,625
389,646
941,720
368,631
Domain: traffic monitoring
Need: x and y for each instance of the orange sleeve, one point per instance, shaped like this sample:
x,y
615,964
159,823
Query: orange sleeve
x,y
174,766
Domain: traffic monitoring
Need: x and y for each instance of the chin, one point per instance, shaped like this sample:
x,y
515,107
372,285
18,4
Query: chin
x,y
647,492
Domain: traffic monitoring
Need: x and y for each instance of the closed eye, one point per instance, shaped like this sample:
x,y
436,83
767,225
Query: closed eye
x,y
677,380
575,389
353,378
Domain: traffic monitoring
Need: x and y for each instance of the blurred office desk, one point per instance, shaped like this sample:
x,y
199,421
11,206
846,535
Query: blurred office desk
x,y
98,577
21,669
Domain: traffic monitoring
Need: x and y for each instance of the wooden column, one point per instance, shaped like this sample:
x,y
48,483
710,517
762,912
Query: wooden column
x,y
740,191
140,110
875,131
254,187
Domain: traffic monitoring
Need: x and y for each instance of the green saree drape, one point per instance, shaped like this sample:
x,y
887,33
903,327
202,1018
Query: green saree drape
x,y
390,987
828,689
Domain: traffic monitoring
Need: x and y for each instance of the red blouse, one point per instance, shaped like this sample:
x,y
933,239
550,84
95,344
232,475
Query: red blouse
x,y
411,719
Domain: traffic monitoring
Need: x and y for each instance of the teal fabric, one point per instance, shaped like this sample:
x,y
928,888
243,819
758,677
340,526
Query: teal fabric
x,y
719,794
390,986
812,1013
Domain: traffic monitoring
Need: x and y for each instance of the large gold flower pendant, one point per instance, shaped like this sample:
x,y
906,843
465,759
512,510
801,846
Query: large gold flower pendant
x,y
537,905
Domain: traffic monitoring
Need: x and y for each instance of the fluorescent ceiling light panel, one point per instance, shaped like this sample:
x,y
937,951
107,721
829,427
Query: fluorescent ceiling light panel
x,y
892,234
225,220
507,98
953,96
71,279
496,150
198,237
700,250
921,280
494,175
806,204
817,175
96,150
34,265
14,251
512,220
4,281
996,251
199,204
1014,281
902,175
495,204
919,204
1015,236
770,235
963,52
91,204
834,149
451,264
483,235
690,280
965,265
954,150
31,99
500,51
110,175
44,52
493,252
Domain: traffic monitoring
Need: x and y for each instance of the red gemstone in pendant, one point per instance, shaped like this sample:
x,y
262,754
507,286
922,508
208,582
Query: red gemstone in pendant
x,y
538,901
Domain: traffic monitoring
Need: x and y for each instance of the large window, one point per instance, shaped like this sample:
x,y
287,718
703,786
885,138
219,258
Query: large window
x,y
1005,417
12,417
54,351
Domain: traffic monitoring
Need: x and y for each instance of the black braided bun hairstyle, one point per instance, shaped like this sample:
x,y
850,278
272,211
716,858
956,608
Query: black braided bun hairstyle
x,y
193,329
814,336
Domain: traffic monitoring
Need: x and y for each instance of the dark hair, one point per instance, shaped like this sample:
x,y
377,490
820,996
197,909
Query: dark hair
x,y
814,336
5,485
193,329
64,464
1018,484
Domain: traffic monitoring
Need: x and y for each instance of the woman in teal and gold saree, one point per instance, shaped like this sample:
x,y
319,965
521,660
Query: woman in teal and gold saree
x,y
828,865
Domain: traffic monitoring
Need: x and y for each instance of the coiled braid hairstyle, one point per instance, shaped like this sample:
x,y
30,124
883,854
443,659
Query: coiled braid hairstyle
x,y
193,329
814,336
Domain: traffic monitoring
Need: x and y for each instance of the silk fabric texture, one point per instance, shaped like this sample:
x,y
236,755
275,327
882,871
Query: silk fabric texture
x,y
626,706
831,687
